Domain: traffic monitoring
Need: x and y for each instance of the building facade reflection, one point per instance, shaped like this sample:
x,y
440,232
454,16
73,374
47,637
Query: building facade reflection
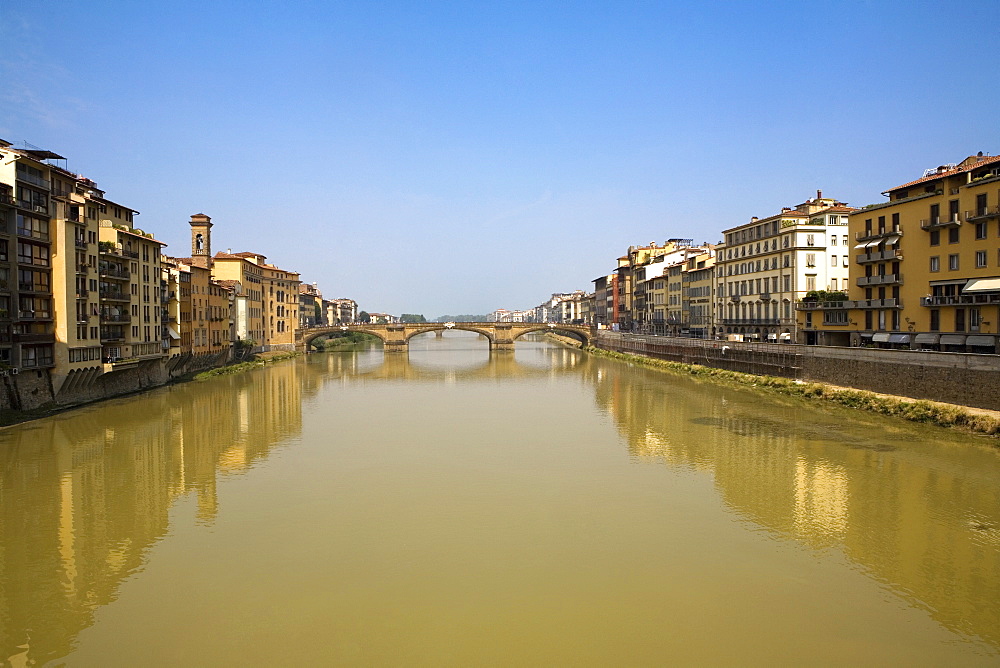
x,y
914,507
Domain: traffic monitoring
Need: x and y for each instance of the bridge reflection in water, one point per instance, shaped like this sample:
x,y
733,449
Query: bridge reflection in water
x,y
87,495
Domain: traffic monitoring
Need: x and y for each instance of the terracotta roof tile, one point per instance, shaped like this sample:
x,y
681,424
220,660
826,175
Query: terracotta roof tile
x,y
957,169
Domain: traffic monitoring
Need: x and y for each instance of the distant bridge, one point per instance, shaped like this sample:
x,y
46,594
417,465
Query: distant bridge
x,y
396,337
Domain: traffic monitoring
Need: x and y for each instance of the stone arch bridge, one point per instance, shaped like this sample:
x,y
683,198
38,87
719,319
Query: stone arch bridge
x,y
396,337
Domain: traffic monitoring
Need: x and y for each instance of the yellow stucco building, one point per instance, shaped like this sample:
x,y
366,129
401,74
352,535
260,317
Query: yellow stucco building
x,y
926,266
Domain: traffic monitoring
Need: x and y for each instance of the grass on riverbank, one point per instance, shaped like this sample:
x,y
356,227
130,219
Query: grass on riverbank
x,y
915,410
258,361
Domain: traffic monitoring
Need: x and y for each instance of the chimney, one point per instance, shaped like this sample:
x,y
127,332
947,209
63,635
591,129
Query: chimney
x,y
819,194
754,219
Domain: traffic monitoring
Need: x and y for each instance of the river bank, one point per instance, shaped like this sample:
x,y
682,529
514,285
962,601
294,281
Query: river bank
x,y
972,420
10,417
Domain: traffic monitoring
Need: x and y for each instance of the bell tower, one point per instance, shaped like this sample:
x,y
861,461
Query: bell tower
x,y
201,240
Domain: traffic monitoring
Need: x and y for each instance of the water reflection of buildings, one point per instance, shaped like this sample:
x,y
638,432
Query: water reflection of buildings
x,y
916,509
85,494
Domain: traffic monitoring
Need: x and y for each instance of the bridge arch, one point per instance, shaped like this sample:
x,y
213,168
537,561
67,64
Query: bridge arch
x,y
312,334
425,328
579,332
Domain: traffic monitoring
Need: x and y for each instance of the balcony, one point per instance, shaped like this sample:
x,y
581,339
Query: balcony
x,y
939,222
870,236
114,295
32,287
860,303
887,279
874,303
111,271
33,206
751,321
80,243
32,179
82,294
36,235
82,269
115,317
35,338
108,248
878,256
35,315
982,214
6,198
960,300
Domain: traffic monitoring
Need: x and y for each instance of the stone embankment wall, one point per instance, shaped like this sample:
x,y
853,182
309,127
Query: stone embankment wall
x,y
955,378
32,390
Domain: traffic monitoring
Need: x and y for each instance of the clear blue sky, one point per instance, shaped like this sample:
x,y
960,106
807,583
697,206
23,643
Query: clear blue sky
x,y
457,157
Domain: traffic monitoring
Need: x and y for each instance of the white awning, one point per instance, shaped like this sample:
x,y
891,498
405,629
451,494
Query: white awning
x,y
891,240
981,341
982,285
881,337
873,242
928,338
173,334
899,338
861,245
953,339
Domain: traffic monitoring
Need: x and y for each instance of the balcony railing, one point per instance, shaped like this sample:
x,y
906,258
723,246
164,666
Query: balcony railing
x,y
80,243
115,317
35,315
934,223
82,269
35,338
879,256
115,295
887,279
32,179
984,212
114,272
751,321
869,235
860,303
960,300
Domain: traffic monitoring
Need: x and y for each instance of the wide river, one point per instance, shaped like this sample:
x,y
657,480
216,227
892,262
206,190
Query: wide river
x,y
449,507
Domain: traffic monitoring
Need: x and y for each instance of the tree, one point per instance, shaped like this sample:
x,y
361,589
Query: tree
x,y
412,317
364,316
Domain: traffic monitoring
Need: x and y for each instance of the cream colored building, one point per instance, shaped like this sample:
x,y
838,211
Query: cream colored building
x,y
765,266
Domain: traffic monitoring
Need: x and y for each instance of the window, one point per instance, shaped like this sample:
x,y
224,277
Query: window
x,y
810,259
833,260
810,240
980,230
953,262
953,235
935,320
846,261
833,284
960,320
980,259
935,237
935,263
833,239
810,283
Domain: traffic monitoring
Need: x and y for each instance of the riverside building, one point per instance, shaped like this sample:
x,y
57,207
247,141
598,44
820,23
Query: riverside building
x,y
926,270
765,266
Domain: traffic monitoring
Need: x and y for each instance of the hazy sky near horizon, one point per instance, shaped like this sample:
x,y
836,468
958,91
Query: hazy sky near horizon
x,y
458,157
